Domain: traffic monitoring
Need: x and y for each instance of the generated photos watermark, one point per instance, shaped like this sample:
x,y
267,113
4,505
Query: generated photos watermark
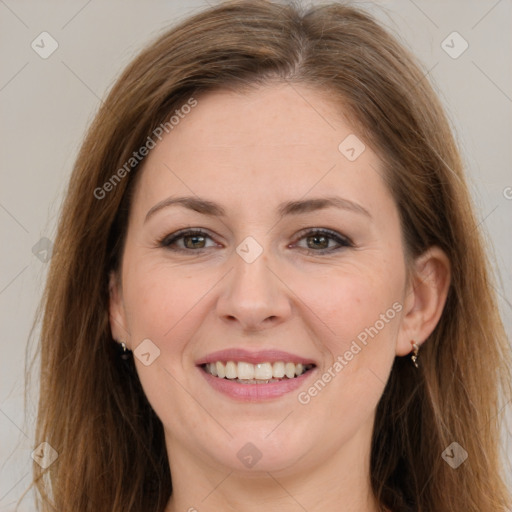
x,y
304,397
143,151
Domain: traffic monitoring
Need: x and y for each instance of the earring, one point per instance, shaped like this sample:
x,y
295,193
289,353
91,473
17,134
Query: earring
x,y
125,354
414,356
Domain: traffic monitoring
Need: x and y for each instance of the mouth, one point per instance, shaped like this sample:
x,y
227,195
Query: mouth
x,y
255,377
243,372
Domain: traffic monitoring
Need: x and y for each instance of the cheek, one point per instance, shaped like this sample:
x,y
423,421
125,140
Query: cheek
x,y
348,302
165,304
358,317
160,300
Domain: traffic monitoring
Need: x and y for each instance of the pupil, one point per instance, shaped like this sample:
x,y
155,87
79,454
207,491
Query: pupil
x,y
324,243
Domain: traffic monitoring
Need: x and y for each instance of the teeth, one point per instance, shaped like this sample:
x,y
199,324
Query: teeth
x,y
212,368
263,371
245,371
278,370
231,370
255,373
289,370
221,370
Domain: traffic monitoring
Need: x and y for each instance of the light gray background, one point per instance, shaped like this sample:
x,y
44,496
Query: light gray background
x,y
46,105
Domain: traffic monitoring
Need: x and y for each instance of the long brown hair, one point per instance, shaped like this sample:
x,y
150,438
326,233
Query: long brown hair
x,y
92,409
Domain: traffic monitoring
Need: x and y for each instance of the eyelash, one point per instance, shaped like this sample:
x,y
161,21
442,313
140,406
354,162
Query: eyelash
x,y
343,241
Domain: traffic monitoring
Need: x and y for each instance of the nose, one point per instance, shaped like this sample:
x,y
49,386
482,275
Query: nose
x,y
253,295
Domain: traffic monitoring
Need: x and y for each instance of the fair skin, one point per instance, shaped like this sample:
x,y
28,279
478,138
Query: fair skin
x,y
249,153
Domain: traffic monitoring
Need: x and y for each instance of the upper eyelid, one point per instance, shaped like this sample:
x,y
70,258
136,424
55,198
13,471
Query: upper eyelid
x,y
312,231
185,232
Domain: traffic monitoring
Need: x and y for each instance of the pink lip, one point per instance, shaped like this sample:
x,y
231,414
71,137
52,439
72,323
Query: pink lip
x,y
262,356
255,392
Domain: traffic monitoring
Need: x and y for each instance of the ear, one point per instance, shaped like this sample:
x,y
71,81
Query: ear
x,y
424,299
117,314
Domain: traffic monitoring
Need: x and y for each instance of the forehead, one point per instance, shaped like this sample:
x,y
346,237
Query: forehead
x,y
281,140
275,115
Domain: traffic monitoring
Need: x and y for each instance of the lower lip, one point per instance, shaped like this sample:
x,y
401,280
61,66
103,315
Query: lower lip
x,y
255,392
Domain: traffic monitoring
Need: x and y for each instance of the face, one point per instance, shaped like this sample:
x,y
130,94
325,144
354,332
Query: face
x,y
257,276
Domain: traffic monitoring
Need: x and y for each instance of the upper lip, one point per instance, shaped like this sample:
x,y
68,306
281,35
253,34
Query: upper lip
x,y
246,356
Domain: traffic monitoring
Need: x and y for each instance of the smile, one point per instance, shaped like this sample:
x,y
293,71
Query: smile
x,y
260,373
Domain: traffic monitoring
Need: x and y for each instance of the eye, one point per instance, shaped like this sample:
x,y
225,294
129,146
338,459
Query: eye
x,y
321,241
318,241
186,241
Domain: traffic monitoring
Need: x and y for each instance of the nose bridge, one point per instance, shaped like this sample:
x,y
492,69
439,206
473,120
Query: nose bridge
x,y
253,294
251,272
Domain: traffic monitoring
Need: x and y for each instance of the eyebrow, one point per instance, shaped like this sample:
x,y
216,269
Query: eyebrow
x,y
211,208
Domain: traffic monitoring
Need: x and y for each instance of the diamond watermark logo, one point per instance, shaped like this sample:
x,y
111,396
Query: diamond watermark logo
x,y
146,352
42,250
249,250
351,147
44,45
454,455
454,45
45,455
249,455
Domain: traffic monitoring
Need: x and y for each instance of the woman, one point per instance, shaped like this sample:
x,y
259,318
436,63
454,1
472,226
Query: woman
x,y
268,288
